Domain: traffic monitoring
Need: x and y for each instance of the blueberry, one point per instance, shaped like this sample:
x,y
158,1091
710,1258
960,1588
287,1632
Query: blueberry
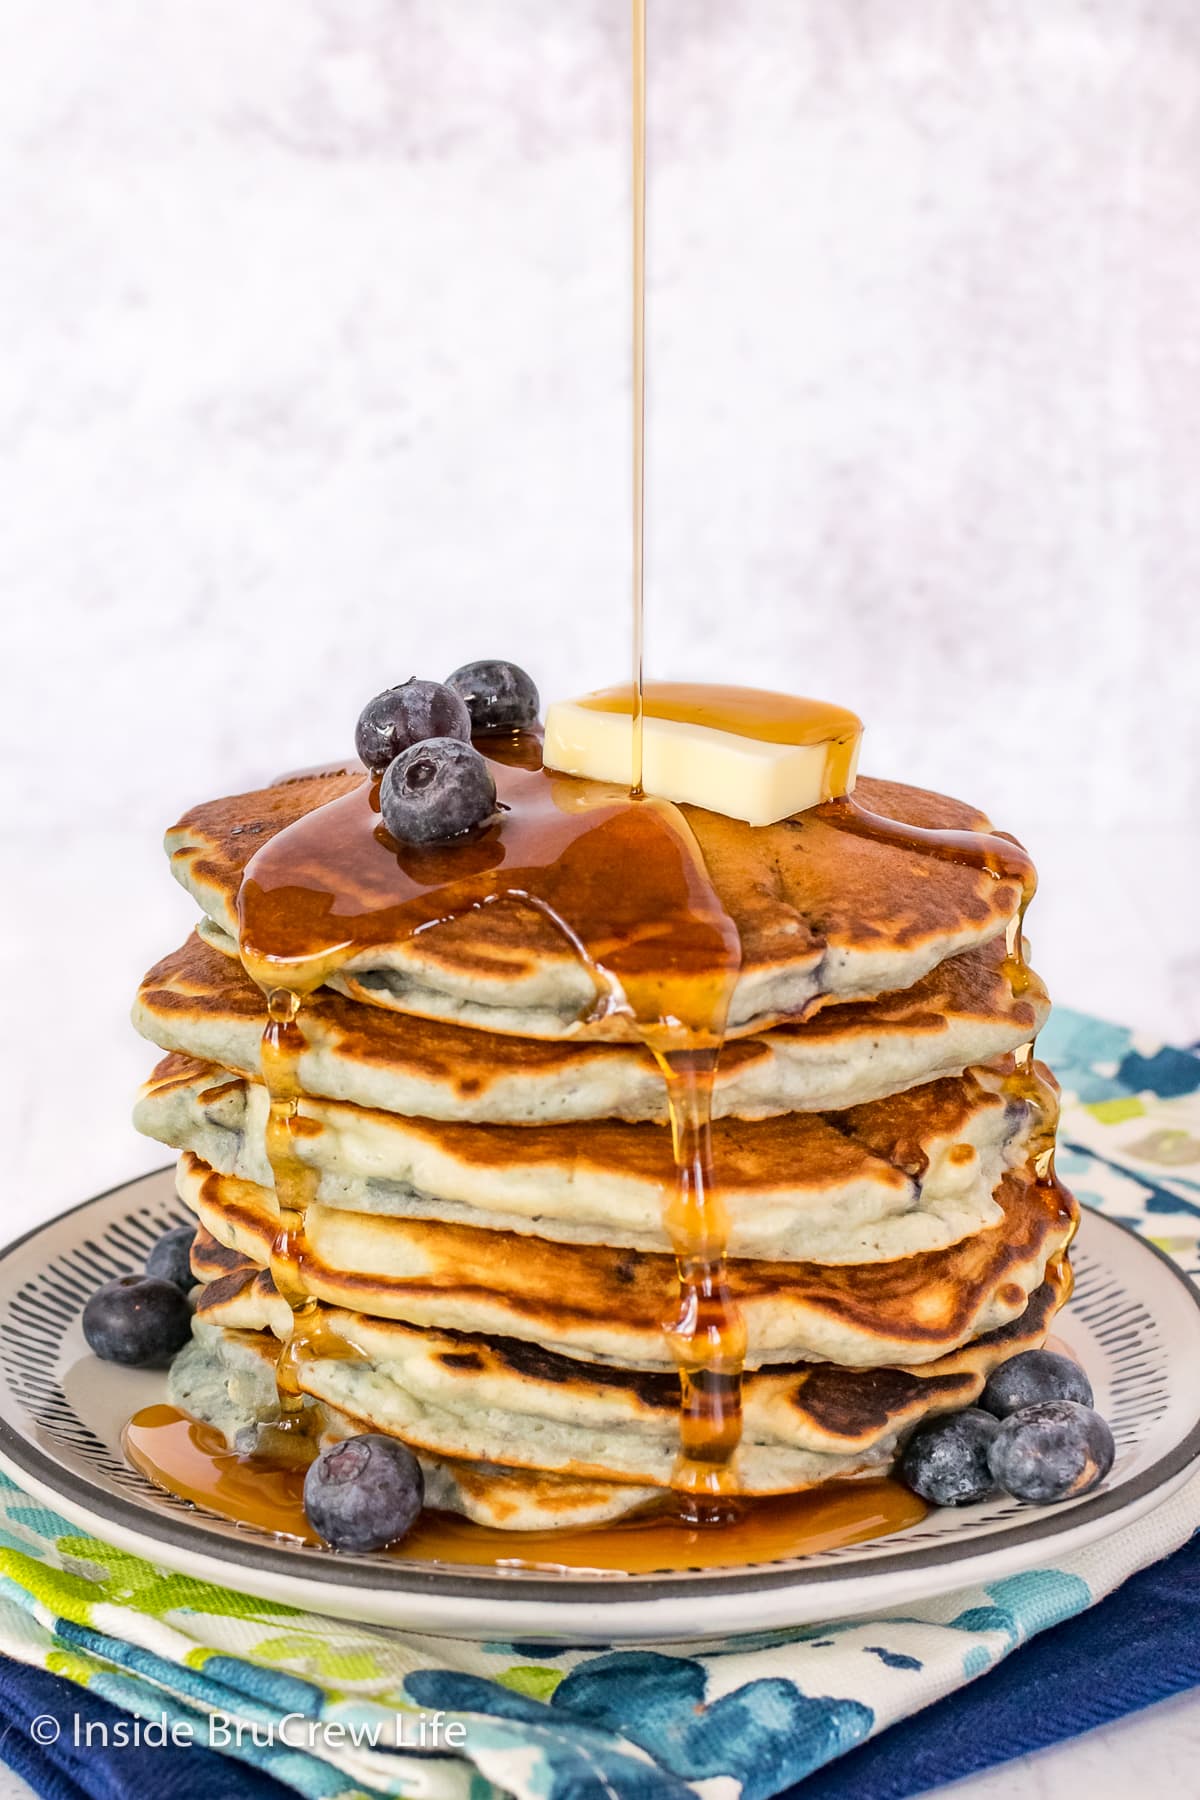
x,y
171,1258
499,696
364,1493
1033,1376
408,715
946,1461
137,1320
1052,1451
436,790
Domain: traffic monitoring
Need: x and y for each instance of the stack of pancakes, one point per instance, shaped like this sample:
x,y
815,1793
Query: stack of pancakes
x,y
491,1169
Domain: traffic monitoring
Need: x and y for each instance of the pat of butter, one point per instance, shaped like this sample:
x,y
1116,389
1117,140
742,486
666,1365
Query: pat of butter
x,y
745,752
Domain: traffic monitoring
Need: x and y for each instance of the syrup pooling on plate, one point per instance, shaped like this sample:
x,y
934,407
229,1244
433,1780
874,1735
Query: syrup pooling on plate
x,y
623,880
190,1459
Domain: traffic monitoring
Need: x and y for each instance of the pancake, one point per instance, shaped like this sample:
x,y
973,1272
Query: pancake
x,y
609,1305
915,1172
511,1404
228,1381
821,915
964,1012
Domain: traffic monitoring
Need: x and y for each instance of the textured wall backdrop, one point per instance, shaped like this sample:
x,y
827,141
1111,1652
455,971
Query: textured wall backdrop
x,y
314,374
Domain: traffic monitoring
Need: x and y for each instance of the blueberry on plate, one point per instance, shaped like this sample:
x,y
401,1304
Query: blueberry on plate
x,y
1034,1376
407,715
499,696
364,1493
436,790
1056,1450
946,1461
171,1258
137,1320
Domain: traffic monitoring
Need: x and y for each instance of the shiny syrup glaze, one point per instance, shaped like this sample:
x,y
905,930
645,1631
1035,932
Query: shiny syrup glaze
x,y
191,1460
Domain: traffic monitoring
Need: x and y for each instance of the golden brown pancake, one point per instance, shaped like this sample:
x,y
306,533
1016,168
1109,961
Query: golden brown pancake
x,y
230,1383
505,1402
821,914
486,1248
913,1172
610,1306
963,1012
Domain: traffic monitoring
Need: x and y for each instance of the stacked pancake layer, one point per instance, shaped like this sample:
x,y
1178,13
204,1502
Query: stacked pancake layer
x,y
490,1174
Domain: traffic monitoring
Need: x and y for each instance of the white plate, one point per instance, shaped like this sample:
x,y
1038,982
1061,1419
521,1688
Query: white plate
x,y
1134,1322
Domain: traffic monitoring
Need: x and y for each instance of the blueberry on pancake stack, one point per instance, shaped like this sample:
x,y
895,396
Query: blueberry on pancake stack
x,y
483,1256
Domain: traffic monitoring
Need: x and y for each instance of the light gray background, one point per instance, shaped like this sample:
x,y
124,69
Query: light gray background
x,y
314,374
313,357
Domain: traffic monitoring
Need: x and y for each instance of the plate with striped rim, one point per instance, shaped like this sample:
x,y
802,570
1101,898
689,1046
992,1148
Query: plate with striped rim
x,y
1134,1322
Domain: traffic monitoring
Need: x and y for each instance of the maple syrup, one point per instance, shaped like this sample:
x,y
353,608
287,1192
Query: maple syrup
x,y
638,384
191,1459
295,1186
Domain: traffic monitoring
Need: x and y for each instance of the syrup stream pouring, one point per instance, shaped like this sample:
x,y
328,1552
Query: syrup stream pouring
x,y
639,378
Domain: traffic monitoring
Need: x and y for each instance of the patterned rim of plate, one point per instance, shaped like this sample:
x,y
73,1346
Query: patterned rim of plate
x,y
37,1318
